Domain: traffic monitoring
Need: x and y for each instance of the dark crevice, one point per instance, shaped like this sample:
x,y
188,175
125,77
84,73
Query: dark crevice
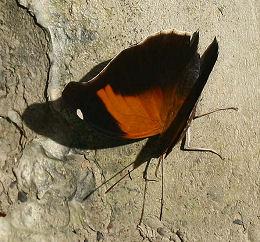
x,y
48,74
21,131
180,236
49,46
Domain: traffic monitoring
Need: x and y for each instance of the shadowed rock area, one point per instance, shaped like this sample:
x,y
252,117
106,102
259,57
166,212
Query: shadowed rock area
x,y
50,160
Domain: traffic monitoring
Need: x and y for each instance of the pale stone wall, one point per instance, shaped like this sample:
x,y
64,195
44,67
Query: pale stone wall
x,y
54,160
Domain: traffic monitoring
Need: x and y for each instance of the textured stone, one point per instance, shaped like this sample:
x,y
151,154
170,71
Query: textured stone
x,y
23,75
58,160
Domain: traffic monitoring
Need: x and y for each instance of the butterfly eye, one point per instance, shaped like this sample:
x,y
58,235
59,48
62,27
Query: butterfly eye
x,y
79,114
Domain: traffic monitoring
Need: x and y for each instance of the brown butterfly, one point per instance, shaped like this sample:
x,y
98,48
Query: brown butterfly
x,y
148,89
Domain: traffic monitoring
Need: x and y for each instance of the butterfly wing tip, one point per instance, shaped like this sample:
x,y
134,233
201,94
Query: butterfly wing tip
x,y
196,32
215,45
194,39
215,40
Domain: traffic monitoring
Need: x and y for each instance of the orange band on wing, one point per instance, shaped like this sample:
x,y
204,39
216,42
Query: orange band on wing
x,y
137,116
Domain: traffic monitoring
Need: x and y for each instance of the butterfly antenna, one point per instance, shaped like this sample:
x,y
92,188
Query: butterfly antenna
x,y
127,174
105,182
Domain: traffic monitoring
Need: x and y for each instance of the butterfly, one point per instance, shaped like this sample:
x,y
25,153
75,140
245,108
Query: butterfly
x,y
149,89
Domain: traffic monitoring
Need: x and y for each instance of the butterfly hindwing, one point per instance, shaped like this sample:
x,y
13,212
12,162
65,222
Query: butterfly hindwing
x,y
181,122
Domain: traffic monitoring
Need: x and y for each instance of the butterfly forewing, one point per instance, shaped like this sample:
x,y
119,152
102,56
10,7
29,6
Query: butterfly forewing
x,y
141,90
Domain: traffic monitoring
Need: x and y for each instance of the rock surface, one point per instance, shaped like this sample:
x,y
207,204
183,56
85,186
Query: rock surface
x,y
50,160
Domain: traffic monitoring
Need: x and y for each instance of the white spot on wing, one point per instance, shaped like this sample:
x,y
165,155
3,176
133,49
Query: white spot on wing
x,y
79,114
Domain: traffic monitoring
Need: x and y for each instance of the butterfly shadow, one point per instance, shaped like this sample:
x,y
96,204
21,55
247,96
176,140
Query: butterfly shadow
x,y
56,121
65,128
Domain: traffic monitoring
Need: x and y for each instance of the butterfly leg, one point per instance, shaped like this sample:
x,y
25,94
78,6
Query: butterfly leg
x,y
185,146
160,162
145,172
216,110
144,201
162,194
